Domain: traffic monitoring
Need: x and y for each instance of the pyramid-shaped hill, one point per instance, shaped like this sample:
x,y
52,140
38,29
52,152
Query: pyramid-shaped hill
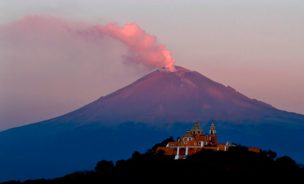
x,y
152,108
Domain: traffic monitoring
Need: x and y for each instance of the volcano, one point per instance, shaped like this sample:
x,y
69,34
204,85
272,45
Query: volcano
x,y
169,97
137,116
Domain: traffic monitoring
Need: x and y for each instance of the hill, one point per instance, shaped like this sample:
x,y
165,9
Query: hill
x,y
235,165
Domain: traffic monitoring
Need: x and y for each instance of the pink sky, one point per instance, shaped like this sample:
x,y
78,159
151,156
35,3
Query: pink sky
x,y
254,46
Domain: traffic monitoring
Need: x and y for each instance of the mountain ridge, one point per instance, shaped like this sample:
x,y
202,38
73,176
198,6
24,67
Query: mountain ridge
x,y
156,106
165,83
180,74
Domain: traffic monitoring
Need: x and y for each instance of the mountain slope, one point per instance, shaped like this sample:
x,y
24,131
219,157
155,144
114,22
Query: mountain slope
x,y
172,97
135,117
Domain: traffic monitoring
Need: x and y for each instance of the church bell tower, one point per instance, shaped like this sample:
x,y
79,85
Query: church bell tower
x,y
212,130
212,134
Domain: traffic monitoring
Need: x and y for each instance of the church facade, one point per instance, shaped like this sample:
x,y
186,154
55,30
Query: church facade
x,y
193,141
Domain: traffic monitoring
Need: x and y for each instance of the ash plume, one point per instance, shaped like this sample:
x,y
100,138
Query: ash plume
x,y
45,60
143,47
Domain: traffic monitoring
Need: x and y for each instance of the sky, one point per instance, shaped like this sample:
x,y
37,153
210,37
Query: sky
x,y
254,46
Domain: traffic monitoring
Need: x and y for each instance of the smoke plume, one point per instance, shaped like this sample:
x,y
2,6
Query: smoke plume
x,y
49,66
143,47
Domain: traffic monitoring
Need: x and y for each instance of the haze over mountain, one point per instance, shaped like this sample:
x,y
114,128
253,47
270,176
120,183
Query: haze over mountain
x,y
152,108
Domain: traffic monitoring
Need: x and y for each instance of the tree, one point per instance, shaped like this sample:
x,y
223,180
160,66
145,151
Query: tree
x,y
104,166
163,143
271,154
286,163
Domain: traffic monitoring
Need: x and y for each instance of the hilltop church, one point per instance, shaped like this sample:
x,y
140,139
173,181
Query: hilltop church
x,y
195,140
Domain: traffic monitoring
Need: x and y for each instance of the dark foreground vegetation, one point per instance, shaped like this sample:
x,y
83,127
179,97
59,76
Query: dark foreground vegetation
x,y
236,165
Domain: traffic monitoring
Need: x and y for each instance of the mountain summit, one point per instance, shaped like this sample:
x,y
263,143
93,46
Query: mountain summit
x,y
168,97
152,108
